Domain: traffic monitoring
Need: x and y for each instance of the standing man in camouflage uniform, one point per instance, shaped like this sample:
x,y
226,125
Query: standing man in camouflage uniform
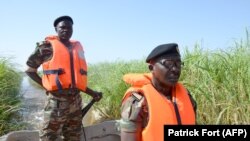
x,y
157,98
64,77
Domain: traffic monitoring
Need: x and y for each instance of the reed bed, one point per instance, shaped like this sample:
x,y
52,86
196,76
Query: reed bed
x,y
217,79
10,83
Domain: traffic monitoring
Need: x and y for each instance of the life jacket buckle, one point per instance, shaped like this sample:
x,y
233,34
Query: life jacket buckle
x,y
83,72
61,71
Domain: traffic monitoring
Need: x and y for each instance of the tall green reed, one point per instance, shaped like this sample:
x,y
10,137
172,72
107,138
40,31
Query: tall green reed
x,y
10,82
217,79
107,78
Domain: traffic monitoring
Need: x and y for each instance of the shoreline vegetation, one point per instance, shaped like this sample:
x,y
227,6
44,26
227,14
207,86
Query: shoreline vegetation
x,y
10,85
218,80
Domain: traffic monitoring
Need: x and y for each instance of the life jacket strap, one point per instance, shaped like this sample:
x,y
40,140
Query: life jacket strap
x,y
177,113
57,72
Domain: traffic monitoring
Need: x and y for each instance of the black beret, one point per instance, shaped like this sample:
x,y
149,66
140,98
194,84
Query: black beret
x,y
170,49
59,19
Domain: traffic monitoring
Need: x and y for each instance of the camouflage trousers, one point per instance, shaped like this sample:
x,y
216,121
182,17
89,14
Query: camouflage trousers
x,y
62,117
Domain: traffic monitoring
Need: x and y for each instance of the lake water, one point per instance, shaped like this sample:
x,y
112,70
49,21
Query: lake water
x,y
32,105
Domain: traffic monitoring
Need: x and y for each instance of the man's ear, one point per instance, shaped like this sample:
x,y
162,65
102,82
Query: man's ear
x,y
150,67
55,29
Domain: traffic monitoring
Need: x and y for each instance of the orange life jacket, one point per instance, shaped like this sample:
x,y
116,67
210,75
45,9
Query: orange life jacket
x,y
65,69
161,109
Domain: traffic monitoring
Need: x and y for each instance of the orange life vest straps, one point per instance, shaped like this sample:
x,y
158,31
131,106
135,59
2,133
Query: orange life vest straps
x,y
177,113
67,68
57,72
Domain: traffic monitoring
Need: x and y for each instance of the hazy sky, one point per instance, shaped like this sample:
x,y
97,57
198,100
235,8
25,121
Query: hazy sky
x,y
123,29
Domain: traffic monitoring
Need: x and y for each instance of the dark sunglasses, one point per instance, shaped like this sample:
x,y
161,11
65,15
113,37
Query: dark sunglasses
x,y
170,63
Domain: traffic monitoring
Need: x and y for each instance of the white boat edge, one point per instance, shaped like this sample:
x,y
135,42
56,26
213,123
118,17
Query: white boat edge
x,y
104,131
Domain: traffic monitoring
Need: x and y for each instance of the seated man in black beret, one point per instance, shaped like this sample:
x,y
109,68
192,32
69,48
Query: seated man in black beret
x,y
64,77
156,99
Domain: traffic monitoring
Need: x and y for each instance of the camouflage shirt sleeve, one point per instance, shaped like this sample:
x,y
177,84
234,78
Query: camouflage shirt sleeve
x,y
43,52
134,113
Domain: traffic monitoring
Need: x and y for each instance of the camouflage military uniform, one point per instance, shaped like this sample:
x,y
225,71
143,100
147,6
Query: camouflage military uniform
x,y
62,113
134,113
